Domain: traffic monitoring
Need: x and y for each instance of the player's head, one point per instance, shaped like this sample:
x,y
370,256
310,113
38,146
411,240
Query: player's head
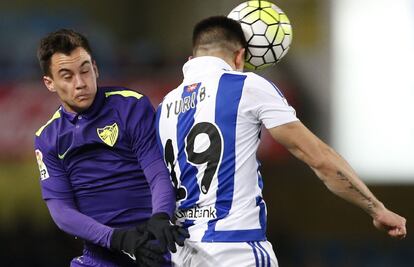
x,y
222,37
65,58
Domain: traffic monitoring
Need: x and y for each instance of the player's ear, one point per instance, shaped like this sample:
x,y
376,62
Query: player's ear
x,y
95,68
239,59
48,81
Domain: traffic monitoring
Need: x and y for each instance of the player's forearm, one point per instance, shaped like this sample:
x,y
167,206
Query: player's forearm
x,y
71,221
342,180
162,191
330,167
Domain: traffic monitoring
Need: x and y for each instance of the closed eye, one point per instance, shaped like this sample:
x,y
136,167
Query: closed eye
x,y
67,77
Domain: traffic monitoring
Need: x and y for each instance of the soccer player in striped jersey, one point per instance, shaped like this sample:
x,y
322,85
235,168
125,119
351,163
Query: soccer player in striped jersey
x,y
209,130
101,173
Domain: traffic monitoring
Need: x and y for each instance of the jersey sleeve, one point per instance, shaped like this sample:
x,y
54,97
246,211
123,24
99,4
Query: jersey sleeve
x,y
266,102
141,128
54,181
70,220
144,140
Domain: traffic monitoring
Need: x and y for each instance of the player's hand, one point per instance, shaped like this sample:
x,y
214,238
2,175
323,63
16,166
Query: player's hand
x,y
167,234
390,222
135,243
149,255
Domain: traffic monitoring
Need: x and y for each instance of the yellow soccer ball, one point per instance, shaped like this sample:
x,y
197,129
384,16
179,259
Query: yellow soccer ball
x,y
267,30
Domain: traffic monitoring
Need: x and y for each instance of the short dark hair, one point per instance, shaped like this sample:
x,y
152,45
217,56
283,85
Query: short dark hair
x,y
61,41
218,30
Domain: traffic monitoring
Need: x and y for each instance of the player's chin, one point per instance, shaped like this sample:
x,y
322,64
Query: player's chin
x,y
84,103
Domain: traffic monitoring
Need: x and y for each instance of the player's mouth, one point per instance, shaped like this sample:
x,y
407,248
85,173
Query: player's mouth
x,y
82,97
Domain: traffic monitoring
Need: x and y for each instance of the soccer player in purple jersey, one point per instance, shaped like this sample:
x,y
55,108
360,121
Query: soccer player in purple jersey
x,y
101,174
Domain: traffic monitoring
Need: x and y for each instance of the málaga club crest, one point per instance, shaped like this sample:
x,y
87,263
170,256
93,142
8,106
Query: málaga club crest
x,y
108,134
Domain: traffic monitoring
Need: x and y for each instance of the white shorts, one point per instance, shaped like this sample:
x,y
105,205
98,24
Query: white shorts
x,y
225,254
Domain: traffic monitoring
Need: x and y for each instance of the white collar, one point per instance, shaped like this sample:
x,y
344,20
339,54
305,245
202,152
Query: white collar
x,y
204,64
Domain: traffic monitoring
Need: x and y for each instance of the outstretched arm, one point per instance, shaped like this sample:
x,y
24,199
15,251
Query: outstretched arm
x,y
337,175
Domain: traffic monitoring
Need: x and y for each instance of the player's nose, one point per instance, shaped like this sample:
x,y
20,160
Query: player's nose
x,y
79,82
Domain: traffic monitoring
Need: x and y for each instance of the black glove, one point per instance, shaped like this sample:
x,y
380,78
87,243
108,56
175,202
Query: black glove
x,y
135,243
167,234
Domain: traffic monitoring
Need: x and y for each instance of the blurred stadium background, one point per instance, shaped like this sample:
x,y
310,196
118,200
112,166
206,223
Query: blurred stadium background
x,y
143,44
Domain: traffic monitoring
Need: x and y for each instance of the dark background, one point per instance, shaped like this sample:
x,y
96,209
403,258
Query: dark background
x,y
142,45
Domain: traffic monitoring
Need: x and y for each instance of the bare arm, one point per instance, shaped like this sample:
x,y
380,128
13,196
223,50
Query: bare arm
x,y
337,174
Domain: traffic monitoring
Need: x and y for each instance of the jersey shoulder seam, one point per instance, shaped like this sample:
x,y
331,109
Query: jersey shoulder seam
x,y
55,116
125,93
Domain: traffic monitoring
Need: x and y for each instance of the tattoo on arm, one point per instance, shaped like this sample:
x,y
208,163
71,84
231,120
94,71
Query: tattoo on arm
x,y
370,204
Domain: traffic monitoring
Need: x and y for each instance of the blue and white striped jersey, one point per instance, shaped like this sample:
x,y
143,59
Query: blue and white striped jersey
x,y
208,129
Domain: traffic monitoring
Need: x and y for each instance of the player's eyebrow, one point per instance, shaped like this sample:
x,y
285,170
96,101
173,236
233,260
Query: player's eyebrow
x,y
62,71
85,62
68,70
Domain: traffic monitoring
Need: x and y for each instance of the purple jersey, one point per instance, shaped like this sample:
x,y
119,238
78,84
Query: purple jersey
x,y
98,158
